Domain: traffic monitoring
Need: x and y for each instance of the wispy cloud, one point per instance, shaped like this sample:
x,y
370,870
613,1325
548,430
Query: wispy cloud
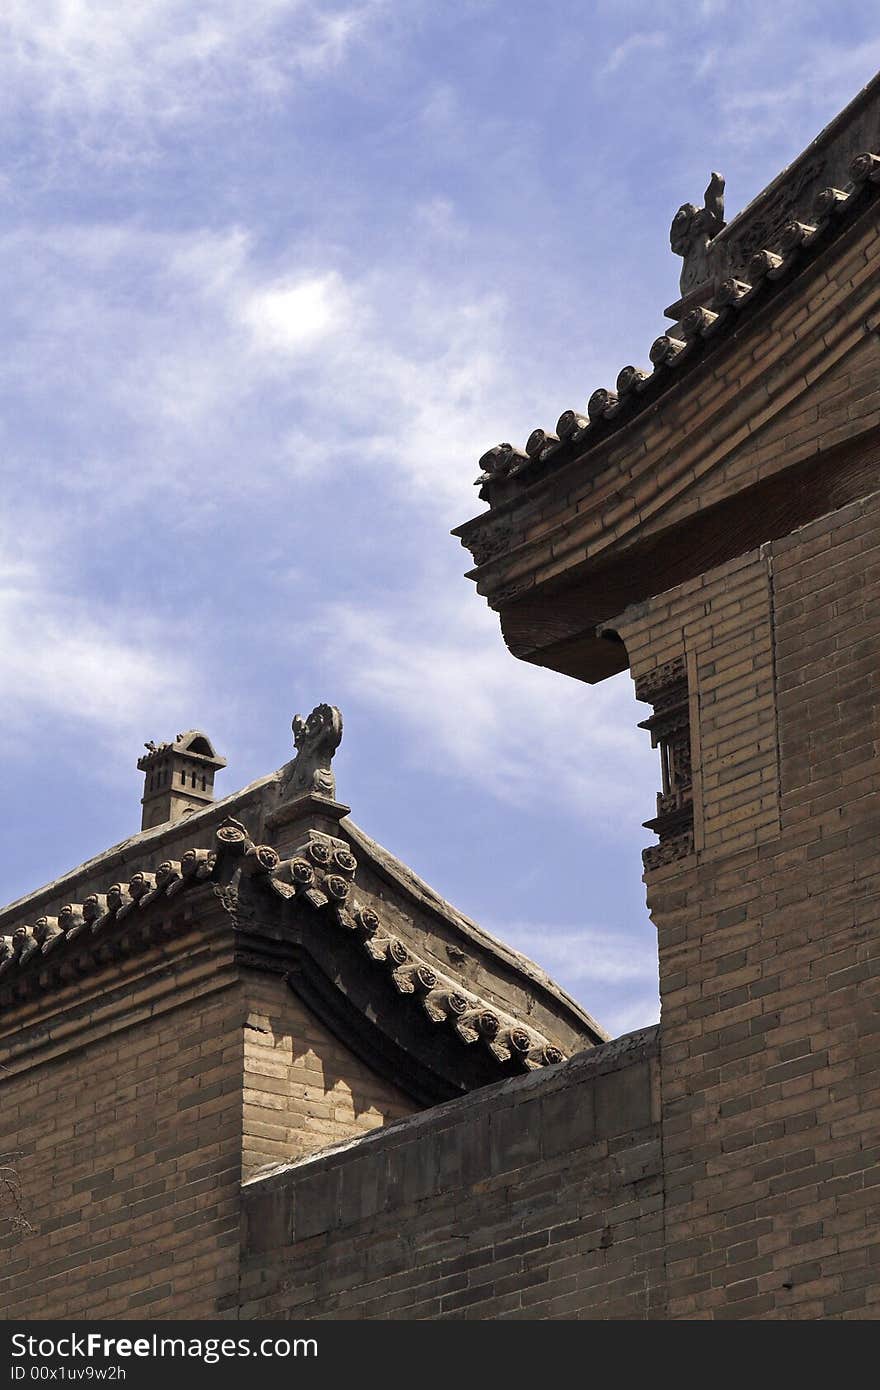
x,y
526,735
759,71
86,665
645,42
383,369
584,953
439,218
114,72
760,108
613,972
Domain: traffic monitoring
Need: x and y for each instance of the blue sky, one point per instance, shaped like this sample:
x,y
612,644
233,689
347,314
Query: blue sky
x,y
274,274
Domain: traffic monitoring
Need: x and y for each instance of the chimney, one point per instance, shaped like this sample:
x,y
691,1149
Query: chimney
x,y
178,778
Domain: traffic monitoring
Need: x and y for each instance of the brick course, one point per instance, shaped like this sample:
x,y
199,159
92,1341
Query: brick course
x,y
539,1197
132,1140
768,934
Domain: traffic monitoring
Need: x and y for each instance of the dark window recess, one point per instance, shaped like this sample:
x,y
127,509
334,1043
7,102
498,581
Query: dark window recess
x,y
669,726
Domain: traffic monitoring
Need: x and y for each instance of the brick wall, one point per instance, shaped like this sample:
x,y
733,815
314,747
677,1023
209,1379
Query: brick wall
x,y
539,1197
130,1144
769,934
303,1090
722,623
726,1166
134,1101
795,381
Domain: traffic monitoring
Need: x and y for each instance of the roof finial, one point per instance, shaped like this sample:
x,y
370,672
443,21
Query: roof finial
x,y
316,739
691,234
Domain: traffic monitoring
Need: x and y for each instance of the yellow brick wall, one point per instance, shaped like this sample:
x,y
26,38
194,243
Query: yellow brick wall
x,y
303,1090
722,622
130,1160
538,1197
132,1102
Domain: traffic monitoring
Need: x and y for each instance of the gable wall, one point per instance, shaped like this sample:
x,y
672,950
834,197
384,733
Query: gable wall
x,y
302,1089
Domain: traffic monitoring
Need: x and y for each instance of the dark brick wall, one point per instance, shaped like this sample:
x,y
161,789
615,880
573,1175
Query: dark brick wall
x,y
540,1197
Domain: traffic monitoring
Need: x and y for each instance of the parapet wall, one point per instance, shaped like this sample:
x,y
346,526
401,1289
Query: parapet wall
x,y
540,1197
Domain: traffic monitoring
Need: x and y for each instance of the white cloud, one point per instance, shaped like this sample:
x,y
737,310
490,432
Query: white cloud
x,y
181,373
79,662
289,317
188,351
525,734
150,63
186,377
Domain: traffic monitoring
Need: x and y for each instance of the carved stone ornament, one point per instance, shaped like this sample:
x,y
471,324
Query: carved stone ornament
x,y
316,740
666,688
691,235
668,851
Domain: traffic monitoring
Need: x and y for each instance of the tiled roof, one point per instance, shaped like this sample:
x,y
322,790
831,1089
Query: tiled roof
x,y
506,469
44,953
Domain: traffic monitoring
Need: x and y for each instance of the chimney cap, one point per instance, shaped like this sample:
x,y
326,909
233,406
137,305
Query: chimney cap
x,y
194,743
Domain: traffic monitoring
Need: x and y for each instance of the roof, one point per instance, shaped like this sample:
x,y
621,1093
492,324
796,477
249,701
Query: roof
x,y
412,985
757,253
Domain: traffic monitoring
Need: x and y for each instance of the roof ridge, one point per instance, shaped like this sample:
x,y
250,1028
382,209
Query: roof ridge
x,y
507,468
154,836
38,956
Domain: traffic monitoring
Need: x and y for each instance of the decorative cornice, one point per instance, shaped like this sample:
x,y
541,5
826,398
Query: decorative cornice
x,y
663,685
319,876
668,851
508,470
53,950
666,688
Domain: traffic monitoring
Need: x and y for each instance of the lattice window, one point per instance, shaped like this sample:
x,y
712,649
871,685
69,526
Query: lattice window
x,y
666,689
